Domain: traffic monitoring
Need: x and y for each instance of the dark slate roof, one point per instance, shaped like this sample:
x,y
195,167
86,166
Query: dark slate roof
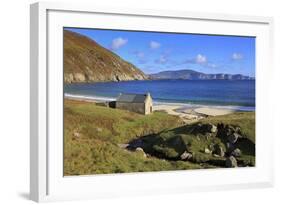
x,y
132,98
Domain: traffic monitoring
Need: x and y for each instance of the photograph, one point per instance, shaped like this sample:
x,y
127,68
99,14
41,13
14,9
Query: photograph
x,y
150,101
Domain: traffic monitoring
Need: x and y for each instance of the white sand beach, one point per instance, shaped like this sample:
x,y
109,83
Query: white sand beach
x,y
175,110
213,111
192,114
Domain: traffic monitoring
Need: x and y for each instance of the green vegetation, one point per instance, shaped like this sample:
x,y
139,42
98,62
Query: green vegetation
x,y
93,134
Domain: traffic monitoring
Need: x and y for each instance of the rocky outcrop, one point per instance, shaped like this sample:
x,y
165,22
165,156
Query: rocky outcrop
x,y
221,145
231,135
87,61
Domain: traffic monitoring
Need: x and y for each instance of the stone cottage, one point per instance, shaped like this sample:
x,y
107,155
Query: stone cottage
x,y
139,103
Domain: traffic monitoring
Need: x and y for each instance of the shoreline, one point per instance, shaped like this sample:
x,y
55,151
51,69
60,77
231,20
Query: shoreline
x,y
236,108
187,112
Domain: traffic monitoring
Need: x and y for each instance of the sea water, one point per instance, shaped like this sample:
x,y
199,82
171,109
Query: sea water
x,y
236,94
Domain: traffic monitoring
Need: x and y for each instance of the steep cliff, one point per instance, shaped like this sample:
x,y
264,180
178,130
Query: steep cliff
x,y
87,61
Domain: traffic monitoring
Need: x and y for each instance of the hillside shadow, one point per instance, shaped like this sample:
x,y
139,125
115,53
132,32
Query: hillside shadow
x,y
171,144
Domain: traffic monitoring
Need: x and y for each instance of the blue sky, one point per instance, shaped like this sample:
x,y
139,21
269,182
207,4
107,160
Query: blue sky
x,y
153,52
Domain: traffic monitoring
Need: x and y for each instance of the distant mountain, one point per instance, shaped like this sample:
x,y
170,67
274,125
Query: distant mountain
x,y
87,61
194,75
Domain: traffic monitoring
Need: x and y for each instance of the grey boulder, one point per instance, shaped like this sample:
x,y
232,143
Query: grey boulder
x,y
186,156
236,152
233,138
231,162
218,150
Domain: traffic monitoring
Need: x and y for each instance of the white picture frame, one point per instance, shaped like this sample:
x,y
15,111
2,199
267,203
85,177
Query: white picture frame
x,y
47,182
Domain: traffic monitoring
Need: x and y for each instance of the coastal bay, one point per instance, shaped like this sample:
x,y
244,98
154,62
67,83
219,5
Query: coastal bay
x,y
147,101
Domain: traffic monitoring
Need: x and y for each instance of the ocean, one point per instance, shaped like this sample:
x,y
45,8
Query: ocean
x,y
232,94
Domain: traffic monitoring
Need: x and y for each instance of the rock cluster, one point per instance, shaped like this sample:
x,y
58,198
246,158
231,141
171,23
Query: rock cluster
x,y
221,142
229,134
232,135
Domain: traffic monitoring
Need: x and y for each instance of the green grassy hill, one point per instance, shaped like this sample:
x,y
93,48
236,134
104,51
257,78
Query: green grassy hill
x,y
93,134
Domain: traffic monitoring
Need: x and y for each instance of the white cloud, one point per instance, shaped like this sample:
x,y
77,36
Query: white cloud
x,y
118,43
154,45
237,56
200,59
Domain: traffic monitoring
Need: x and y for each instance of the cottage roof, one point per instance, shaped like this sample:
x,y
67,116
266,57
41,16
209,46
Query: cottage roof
x,y
132,98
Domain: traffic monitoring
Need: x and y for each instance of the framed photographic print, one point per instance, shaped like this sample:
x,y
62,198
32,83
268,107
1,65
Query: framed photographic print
x,y
128,101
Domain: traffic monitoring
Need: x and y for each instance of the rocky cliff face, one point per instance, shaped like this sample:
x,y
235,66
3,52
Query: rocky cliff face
x,y
87,61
